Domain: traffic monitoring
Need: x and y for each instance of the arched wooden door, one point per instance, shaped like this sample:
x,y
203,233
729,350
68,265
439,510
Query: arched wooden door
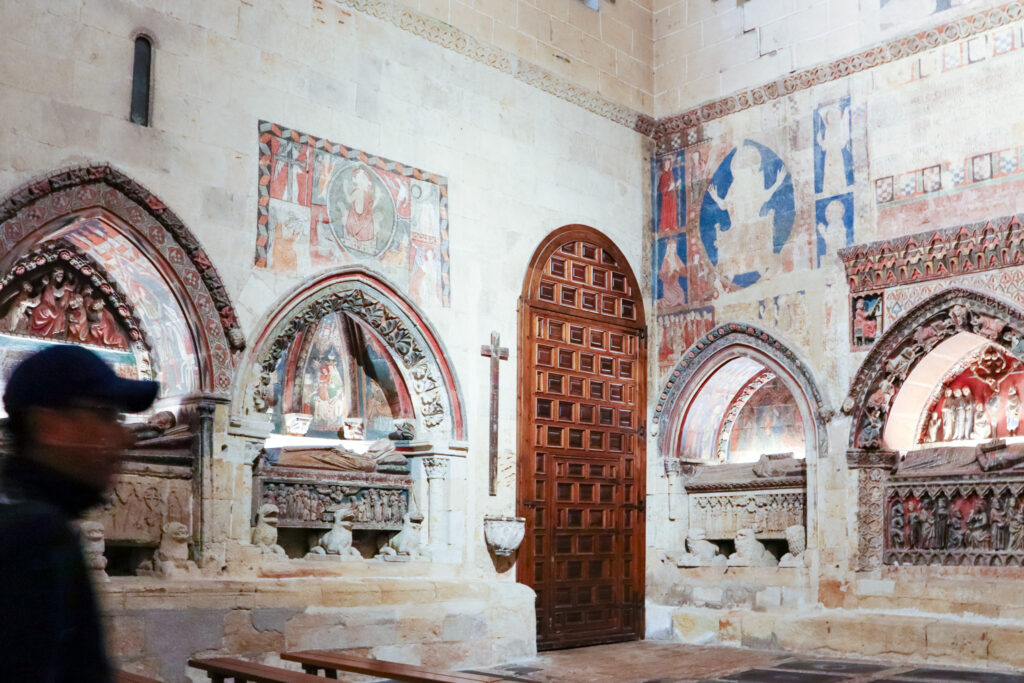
x,y
582,388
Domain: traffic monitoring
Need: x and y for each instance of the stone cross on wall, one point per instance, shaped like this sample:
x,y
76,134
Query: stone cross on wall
x,y
496,354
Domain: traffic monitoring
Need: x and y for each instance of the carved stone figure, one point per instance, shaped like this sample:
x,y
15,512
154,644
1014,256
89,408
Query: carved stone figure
x,y
958,414
934,423
1000,524
1012,411
405,430
927,521
338,541
264,534
982,426
948,416
1016,527
381,452
897,525
750,552
979,536
171,559
796,538
870,435
94,545
967,405
406,543
700,552
955,531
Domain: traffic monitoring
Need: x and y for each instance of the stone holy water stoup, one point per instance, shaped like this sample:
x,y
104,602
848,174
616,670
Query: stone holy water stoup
x,y
504,534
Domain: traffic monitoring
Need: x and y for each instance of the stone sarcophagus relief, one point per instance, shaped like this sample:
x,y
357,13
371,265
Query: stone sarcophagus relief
x,y
767,496
956,506
308,483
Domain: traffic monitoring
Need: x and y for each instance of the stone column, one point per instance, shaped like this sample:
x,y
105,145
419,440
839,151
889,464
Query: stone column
x,y
436,470
873,468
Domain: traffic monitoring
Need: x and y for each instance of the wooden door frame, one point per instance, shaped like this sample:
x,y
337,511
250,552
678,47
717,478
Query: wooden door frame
x,y
529,302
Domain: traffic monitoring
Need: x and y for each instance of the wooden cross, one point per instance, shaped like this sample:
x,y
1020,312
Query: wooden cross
x,y
495,353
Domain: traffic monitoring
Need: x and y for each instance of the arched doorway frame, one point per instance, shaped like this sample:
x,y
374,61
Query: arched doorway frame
x,y
44,206
531,301
902,347
417,349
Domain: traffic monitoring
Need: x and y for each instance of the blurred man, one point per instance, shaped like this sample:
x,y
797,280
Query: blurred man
x,y
64,405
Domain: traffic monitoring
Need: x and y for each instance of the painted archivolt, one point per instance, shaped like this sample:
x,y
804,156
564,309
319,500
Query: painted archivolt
x,y
41,201
58,293
393,328
722,337
913,337
955,251
734,410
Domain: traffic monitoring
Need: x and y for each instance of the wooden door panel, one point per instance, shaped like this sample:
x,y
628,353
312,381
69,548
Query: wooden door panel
x,y
580,468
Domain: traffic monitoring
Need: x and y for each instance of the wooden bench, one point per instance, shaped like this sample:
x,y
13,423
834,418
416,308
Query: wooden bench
x,y
126,677
332,662
221,669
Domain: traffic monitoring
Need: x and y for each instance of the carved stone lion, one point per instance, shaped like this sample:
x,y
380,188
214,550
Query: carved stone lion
x,y
338,541
94,545
407,542
750,552
171,558
700,552
264,534
796,537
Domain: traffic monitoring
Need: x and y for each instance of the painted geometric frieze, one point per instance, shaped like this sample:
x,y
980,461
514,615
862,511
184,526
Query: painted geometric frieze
x,y
915,335
1007,283
768,513
673,133
956,251
420,372
322,204
311,504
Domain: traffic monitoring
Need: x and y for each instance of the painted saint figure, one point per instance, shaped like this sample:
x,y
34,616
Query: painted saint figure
x,y
1012,411
671,270
667,188
362,198
833,138
749,235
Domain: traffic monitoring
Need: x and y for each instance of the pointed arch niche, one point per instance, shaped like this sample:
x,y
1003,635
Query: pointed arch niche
x,y
740,428
936,435
90,257
351,400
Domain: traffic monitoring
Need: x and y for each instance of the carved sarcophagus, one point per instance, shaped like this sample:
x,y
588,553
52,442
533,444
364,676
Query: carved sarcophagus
x,y
306,483
767,496
957,506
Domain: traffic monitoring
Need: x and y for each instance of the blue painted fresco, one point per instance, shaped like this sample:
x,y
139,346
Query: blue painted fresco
x,y
670,286
833,152
833,220
750,196
668,198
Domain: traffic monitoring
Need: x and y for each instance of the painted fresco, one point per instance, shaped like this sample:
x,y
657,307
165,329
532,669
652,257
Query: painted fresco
x,y
833,217
979,402
833,149
323,205
705,414
338,381
747,215
865,320
769,422
670,285
678,333
669,176
894,15
173,351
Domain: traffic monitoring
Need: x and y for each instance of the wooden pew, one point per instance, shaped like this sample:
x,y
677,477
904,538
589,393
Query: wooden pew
x,y
126,677
331,663
221,669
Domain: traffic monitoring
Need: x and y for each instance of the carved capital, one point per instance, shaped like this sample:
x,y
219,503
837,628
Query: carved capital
x,y
436,468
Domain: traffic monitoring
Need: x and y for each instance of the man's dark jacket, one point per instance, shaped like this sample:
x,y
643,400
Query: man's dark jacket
x,y
49,625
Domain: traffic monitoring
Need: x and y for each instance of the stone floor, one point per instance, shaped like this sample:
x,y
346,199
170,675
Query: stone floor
x,y
651,662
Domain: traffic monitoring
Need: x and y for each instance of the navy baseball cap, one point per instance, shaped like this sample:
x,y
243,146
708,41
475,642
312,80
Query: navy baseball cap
x,y
59,375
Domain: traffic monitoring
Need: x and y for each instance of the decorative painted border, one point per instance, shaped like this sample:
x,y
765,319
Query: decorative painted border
x,y
65,191
934,255
670,132
268,130
457,40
